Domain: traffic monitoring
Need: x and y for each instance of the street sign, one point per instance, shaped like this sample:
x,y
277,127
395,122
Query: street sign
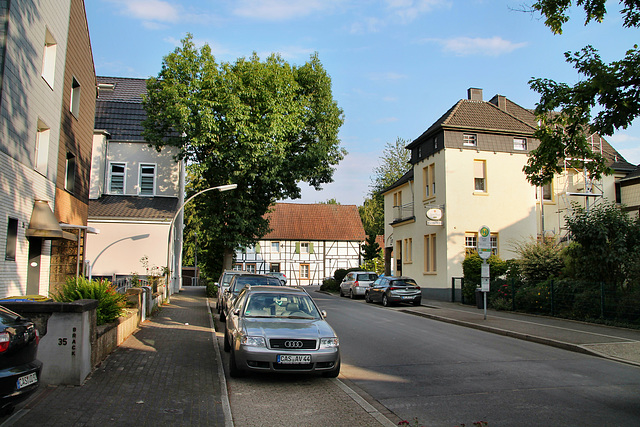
x,y
484,284
484,242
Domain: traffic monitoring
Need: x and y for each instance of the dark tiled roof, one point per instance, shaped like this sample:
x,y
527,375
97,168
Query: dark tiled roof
x,y
635,174
120,112
403,180
293,221
482,116
133,207
614,159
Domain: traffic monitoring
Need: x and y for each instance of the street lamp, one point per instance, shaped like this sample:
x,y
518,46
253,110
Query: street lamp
x,y
138,237
170,270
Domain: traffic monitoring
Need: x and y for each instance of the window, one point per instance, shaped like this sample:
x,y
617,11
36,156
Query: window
x,y
408,250
12,240
618,188
237,267
274,267
74,105
547,192
397,199
42,147
275,248
471,243
304,271
519,144
147,180
49,58
430,253
251,268
70,173
117,178
469,140
479,176
428,176
251,249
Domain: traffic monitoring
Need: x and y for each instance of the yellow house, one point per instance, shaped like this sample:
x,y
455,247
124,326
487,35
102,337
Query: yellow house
x,y
466,172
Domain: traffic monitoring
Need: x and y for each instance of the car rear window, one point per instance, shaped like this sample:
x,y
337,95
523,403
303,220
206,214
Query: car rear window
x,y
367,277
243,281
405,282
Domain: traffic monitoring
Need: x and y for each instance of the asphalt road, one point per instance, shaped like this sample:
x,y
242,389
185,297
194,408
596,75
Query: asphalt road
x,y
448,375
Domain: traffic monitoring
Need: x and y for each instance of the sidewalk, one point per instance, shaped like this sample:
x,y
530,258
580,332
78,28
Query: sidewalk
x,y
618,344
167,373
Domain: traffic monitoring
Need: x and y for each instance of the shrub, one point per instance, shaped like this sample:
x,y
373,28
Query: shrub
x,y
539,260
472,272
329,285
339,275
212,288
110,302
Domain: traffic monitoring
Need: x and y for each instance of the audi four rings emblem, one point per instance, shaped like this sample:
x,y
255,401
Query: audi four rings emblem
x,y
293,344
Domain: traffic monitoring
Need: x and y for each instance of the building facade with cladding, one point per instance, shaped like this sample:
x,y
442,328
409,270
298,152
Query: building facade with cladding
x,y
43,43
467,172
307,242
135,190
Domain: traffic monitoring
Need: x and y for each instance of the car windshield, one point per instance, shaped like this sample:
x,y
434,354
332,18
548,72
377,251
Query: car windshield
x,y
242,281
277,305
367,277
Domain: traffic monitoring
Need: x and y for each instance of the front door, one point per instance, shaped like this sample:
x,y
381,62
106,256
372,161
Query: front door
x,y
33,271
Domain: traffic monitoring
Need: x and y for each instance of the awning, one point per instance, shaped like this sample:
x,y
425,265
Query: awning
x,y
44,224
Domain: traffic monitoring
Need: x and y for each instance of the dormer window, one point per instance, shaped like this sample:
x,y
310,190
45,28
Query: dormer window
x,y
519,144
147,180
469,140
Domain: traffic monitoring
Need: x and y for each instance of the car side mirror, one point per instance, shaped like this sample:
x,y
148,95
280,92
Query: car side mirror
x,y
324,314
236,312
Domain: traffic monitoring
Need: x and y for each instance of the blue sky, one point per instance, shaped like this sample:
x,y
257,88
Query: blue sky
x,y
396,65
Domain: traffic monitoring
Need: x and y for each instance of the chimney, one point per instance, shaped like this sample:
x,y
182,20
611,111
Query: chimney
x,y
502,102
474,94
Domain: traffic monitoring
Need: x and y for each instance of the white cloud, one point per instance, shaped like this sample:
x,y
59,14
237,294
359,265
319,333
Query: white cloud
x,y
466,46
149,10
366,26
408,10
280,10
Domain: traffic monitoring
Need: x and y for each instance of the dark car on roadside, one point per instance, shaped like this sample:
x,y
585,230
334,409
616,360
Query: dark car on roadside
x,y
390,290
19,367
223,284
238,282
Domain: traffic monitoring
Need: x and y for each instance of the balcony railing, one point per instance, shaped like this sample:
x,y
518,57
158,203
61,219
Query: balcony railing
x,y
403,212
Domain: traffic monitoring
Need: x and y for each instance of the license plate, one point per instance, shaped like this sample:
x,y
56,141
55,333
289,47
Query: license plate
x,y
408,297
27,380
294,359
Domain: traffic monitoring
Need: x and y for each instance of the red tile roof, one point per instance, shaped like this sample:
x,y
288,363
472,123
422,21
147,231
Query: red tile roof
x,y
294,221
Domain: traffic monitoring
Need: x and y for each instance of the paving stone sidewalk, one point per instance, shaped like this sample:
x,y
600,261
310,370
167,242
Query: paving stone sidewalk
x,y
167,373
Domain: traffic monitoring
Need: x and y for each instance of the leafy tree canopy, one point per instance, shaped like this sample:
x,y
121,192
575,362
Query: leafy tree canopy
x,y
263,125
565,111
394,163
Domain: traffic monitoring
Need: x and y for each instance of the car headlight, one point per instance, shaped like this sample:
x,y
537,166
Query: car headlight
x,y
329,342
252,341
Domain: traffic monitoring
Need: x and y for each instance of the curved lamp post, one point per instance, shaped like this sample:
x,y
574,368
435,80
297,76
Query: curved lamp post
x,y
138,237
170,270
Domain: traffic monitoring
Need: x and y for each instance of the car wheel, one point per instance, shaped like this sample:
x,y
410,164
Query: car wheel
x,y
417,302
332,373
351,294
341,294
367,298
234,371
222,316
385,301
227,344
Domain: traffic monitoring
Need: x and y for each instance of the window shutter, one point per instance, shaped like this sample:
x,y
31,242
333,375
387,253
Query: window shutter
x,y
297,247
311,247
257,248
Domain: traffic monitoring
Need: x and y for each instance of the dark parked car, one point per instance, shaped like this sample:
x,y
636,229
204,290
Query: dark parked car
x,y
19,368
223,284
238,282
393,289
279,329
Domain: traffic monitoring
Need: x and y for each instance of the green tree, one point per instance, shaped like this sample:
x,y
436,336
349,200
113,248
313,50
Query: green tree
x,y
394,163
371,248
263,125
606,244
565,111
330,202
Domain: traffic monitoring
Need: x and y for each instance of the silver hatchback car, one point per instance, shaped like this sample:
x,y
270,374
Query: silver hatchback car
x,y
356,283
279,329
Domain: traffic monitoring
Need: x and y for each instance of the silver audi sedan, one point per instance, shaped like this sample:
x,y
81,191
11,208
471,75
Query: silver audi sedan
x,y
279,329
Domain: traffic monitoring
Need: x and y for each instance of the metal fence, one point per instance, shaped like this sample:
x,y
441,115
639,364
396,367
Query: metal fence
x,y
123,283
569,299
